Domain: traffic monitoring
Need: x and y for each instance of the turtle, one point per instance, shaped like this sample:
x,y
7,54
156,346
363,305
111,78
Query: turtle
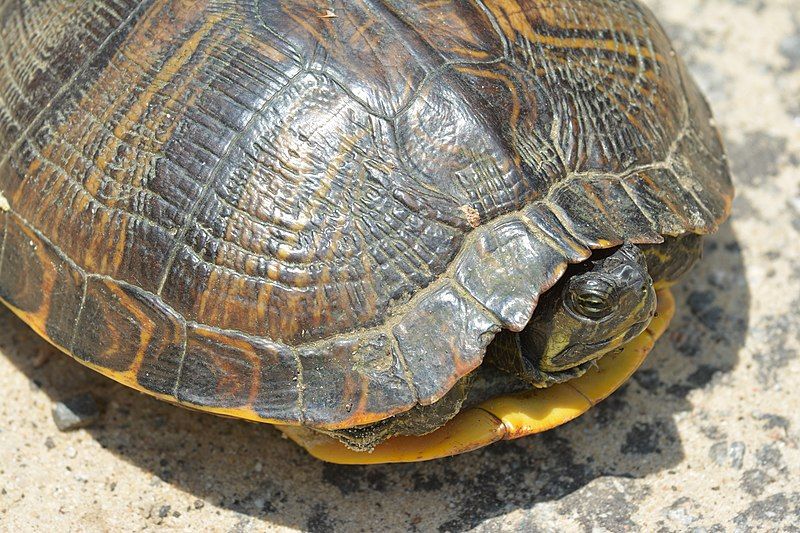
x,y
388,226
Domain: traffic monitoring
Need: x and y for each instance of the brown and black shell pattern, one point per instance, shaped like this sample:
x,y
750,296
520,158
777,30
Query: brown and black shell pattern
x,y
320,212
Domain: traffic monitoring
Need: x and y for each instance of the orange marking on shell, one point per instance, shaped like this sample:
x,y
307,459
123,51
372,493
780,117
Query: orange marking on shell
x,y
229,385
435,4
656,190
262,306
302,22
360,410
598,202
38,319
361,33
355,388
478,55
514,19
182,15
168,71
143,320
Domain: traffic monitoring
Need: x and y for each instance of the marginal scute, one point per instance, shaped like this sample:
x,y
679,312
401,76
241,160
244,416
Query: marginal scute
x,y
601,208
705,175
585,215
441,339
160,365
542,220
663,204
699,158
353,381
23,274
507,268
233,371
111,331
44,287
125,329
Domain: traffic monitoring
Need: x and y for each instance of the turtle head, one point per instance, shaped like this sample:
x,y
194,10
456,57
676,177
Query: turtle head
x,y
598,307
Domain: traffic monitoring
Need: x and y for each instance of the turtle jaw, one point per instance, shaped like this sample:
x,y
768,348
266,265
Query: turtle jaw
x,y
545,378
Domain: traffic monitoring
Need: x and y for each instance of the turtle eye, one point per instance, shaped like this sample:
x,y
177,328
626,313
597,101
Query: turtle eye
x,y
592,298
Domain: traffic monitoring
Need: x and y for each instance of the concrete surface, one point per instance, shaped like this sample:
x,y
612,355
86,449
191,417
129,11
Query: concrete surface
x,y
705,437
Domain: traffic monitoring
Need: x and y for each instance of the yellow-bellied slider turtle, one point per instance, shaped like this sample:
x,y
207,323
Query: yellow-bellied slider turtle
x,y
319,214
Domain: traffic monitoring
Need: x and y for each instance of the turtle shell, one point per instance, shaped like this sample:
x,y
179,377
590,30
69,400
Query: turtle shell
x,y
320,213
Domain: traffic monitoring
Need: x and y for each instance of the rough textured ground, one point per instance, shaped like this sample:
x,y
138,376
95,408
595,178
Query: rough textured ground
x,y
705,437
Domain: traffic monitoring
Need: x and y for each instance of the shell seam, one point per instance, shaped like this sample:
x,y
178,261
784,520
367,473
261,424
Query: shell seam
x,y
531,226
408,377
464,291
182,360
79,314
301,387
495,26
3,243
625,187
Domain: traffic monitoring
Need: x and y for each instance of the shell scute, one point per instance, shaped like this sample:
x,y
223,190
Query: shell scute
x,y
546,224
353,381
229,371
658,194
125,329
702,173
39,283
599,213
507,268
442,338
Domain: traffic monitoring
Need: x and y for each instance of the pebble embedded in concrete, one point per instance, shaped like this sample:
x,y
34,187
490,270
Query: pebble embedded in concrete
x,y
76,412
